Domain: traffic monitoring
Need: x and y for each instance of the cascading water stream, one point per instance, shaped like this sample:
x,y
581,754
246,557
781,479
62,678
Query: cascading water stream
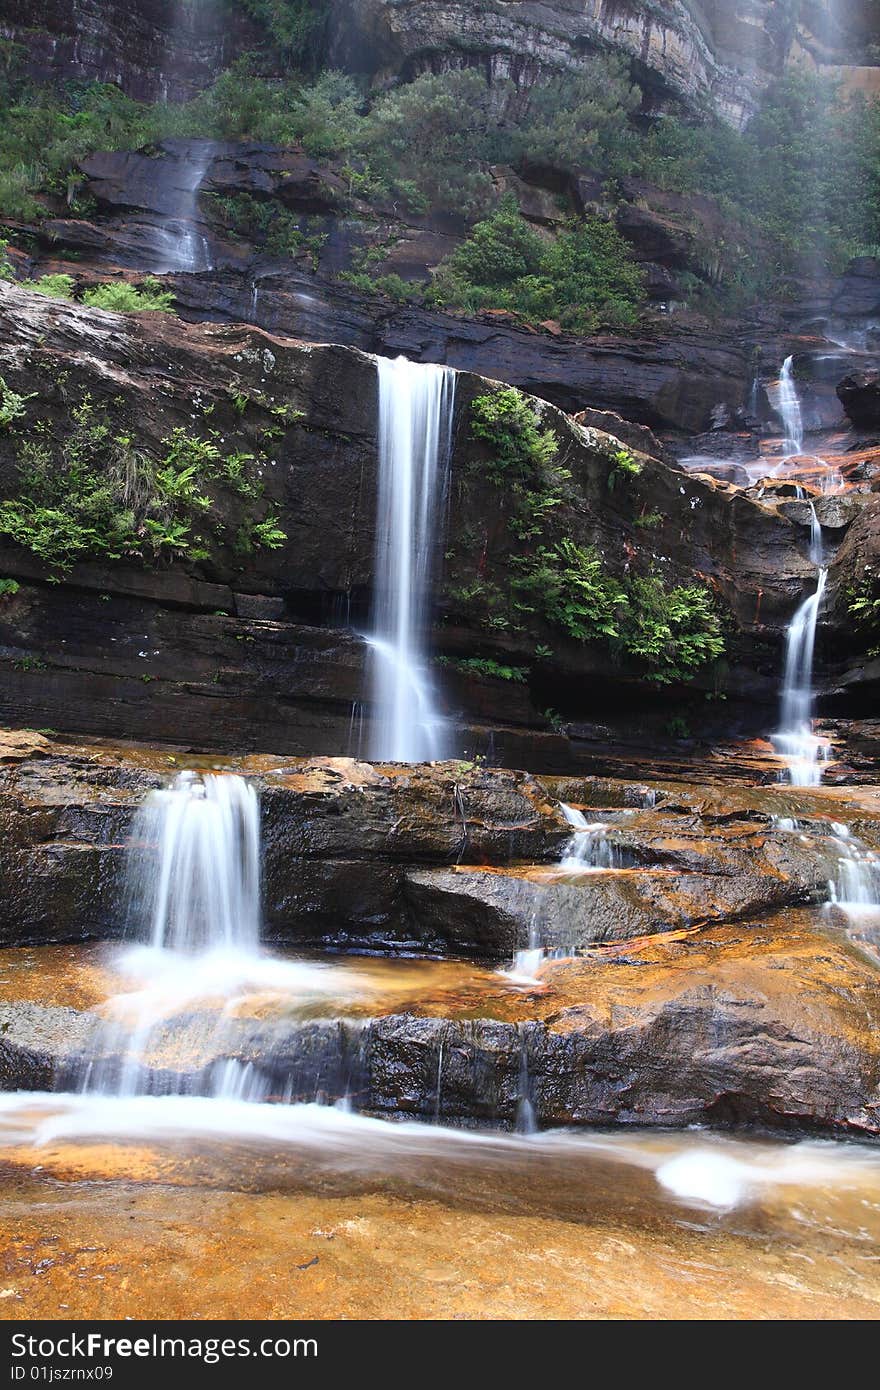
x,y
204,893
588,850
179,244
194,899
789,408
855,889
794,740
415,432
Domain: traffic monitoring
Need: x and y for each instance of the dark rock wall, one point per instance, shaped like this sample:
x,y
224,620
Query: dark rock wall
x,y
153,50
261,651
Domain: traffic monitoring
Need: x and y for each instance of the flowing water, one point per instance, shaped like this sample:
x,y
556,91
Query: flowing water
x,y
415,429
789,407
795,740
855,888
194,903
179,243
588,850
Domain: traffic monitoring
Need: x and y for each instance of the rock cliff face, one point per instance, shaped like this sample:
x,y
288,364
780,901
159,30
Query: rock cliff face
x,y
260,649
154,50
717,53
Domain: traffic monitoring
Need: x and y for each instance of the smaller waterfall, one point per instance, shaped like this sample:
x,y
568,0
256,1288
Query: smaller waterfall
x,y
817,546
415,436
794,739
179,244
196,871
856,887
789,408
589,848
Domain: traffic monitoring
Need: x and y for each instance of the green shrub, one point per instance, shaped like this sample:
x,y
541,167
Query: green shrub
x,y
12,405
58,286
414,137
9,587
585,278
486,667
97,497
507,421
863,606
295,27
623,467
120,297
570,585
673,631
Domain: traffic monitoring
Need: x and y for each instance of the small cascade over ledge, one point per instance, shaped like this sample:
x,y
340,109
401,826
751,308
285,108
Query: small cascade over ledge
x,y
194,899
204,891
416,402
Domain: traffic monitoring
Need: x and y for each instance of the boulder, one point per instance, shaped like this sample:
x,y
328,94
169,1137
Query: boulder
x,y
859,394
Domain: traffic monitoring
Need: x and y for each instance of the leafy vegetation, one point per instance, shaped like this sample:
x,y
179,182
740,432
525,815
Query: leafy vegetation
x,y
623,467
670,632
12,405
485,667
863,605
519,449
94,495
58,286
265,223
123,298
584,279
295,27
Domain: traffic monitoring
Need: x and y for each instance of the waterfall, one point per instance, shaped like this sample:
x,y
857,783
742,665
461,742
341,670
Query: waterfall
x,y
856,887
587,850
194,894
794,739
415,436
589,847
179,244
195,873
789,408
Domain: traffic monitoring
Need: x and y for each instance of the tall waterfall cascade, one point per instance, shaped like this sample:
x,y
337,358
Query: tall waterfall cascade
x,y
789,408
416,403
179,244
795,740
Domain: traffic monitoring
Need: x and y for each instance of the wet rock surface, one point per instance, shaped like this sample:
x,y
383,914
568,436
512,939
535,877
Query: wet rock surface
x,y
770,1022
